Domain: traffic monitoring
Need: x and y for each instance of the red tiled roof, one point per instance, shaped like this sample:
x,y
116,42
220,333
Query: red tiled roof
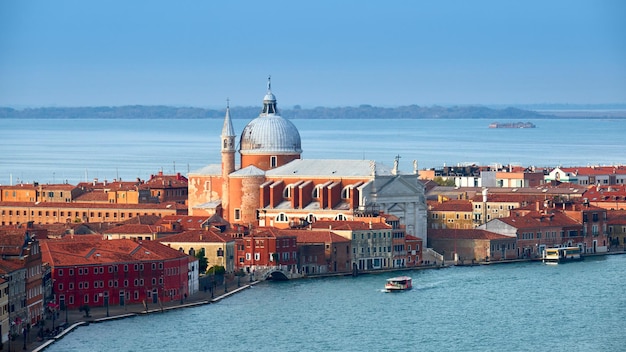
x,y
534,220
616,217
86,250
92,197
465,234
451,205
307,236
62,205
195,236
131,229
596,170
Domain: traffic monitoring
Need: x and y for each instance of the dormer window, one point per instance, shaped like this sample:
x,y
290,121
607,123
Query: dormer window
x,y
287,192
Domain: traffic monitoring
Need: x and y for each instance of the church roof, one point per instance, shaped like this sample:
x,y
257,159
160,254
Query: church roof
x,y
212,169
330,168
270,133
250,170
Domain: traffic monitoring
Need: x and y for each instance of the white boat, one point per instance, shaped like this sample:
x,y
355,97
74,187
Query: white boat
x,y
399,283
561,254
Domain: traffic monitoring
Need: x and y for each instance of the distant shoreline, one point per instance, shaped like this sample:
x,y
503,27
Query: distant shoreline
x,y
413,112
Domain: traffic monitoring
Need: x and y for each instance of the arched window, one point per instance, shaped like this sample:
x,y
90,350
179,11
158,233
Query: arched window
x,y
282,217
345,192
287,192
341,217
192,252
316,192
311,218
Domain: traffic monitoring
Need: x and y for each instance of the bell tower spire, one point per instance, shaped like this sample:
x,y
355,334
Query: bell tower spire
x,y
228,157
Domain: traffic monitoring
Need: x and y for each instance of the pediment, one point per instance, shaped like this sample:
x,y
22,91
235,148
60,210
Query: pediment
x,y
398,186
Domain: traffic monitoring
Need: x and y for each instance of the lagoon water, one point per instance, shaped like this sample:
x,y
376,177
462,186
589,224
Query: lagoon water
x,y
75,150
530,306
513,307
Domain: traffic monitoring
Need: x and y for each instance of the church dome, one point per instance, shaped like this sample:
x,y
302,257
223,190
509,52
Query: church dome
x,y
270,133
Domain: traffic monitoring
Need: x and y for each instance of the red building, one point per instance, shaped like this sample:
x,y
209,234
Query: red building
x,y
87,270
21,247
322,252
266,247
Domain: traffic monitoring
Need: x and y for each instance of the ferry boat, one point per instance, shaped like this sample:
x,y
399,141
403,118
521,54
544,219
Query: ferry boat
x,y
399,283
512,125
562,254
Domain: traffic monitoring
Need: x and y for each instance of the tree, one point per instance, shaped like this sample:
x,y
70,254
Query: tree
x,y
444,182
203,262
217,270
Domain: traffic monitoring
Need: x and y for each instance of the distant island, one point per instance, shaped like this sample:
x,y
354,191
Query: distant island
x,y
512,125
296,112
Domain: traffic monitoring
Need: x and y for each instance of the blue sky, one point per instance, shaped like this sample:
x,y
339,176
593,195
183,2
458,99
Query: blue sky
x,y
319,53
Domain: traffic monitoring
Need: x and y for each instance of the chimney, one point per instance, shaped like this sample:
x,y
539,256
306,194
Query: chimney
x,y
485,195
370,224
537,207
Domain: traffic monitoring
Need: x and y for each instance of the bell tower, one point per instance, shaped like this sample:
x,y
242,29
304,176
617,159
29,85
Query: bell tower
x,y
228,159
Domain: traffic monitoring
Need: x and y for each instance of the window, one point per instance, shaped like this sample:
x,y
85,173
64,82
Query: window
x,y
71,272
341,217
273,161
237,214
60,271
345,192
257,256
282,217
60,287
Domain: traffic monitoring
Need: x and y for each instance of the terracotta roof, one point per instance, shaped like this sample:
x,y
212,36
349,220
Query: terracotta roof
x,y
187,222
195,236
92,197
63,205
165,181
412,238
143,219
535,220
307,236
7,266
616,217
451,205
86,250
596,170
465,234
114,186
132,229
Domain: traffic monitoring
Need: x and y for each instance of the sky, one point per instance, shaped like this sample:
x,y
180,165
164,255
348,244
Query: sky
x,y
318,53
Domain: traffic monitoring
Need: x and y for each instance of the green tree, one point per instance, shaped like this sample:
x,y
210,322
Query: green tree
x,y
444,182
217,270
203,262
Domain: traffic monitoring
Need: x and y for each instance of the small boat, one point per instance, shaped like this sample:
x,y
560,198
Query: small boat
x,y
561,255
399,283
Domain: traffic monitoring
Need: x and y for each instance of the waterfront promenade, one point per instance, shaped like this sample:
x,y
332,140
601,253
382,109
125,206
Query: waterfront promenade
x,y
74,318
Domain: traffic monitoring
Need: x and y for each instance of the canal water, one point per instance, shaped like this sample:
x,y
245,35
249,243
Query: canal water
x,y
505,307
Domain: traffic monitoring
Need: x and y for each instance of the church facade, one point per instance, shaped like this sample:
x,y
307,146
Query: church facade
x,y
273,186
